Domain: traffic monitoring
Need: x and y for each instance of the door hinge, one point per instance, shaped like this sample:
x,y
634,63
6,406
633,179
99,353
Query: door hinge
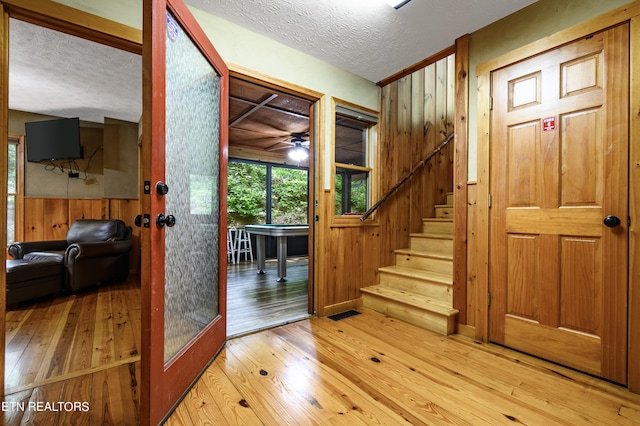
x,y
489,200
490,103
488,298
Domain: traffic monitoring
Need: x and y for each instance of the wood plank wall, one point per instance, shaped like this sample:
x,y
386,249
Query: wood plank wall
x,y
352,252
50,218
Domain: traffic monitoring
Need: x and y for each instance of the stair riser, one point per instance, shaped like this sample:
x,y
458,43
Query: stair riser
x,y
444,212
425,319
425,263
449,198
432,245
442,293
437,227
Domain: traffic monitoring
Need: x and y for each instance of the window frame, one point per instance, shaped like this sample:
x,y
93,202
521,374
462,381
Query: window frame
x,y
18,141
344,108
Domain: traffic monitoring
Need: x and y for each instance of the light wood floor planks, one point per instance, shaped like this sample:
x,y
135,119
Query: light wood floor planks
x,y
72,335
364,370
370,369
75,359
85,348
106,397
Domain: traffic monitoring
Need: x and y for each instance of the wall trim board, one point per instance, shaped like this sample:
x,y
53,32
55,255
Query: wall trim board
x,y
420,65
460,169
75,22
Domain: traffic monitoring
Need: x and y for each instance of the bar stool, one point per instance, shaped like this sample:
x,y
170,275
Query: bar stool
x,y
243,244
231,244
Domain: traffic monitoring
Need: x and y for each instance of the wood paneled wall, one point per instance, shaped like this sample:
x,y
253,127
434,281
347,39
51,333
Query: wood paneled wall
x,y
50,218
417,114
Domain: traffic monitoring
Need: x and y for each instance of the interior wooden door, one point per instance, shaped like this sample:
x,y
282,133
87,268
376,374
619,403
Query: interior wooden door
x,y
559,207
185,148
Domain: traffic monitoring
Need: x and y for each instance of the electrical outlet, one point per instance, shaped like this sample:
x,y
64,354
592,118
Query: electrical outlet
x,y
74,174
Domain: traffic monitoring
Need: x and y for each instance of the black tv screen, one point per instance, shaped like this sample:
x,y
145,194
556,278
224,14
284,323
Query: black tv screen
x,y
57,139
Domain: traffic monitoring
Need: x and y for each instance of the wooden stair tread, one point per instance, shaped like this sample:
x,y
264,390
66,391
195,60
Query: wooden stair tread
x,y
418,273
411,299
432,235
418,253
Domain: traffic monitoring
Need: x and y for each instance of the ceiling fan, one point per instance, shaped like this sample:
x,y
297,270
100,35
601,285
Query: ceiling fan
x,y
298,143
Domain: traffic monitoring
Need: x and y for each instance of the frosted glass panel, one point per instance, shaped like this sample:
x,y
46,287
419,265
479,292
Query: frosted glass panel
x,y
192,174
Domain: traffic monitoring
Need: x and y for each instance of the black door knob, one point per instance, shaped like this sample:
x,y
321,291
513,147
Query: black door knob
x,y
138,220
612,221
162,188
162,220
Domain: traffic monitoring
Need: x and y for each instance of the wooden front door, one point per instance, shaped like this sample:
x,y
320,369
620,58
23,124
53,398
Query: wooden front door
x,y
559,206
185,123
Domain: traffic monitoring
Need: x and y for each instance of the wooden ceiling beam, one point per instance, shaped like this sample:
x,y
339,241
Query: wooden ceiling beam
x,y
255,108
283,111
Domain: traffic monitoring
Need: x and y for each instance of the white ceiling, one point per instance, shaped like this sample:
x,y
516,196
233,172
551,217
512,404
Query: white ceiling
x,y
366,37
56,74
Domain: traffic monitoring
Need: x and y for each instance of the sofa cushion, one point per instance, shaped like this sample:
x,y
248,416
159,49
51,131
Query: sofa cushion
x,y
56,256
88,230
28,280
24,270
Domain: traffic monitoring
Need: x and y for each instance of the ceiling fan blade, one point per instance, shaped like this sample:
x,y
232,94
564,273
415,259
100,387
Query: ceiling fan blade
x,y
280,145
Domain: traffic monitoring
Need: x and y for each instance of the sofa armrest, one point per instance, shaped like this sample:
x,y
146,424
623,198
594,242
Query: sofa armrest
x,y
96,249
18,250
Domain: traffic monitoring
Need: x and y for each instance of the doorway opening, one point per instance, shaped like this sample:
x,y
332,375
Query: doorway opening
x,y
270,153
65,339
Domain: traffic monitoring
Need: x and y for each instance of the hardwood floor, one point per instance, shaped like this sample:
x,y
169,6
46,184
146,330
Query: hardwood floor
x,y
84,348
74,359
369,369
366,369
256,302
72,335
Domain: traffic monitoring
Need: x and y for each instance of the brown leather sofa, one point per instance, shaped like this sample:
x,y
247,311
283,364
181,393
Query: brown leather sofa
x,y
96,251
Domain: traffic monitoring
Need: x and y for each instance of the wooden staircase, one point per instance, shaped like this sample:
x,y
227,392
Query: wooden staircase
x,y
419,288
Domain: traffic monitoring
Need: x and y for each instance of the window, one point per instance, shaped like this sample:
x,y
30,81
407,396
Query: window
x,y
267,193
14,188
354,137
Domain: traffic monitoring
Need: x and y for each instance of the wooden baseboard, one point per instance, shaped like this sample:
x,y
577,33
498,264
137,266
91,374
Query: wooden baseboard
x,y
466,331
325,311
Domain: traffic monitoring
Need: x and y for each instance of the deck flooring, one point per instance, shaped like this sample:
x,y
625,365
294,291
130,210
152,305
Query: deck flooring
x,y
256,302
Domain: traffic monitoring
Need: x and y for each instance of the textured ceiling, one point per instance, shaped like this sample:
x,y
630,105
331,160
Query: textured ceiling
x,y
56,74
53,73
366,37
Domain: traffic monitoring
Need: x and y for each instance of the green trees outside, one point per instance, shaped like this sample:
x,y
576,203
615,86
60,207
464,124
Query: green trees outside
x,y
247,194
12,188
357,197
289,196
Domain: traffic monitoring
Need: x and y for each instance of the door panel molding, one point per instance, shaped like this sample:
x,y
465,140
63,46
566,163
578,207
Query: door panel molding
x,y
628,13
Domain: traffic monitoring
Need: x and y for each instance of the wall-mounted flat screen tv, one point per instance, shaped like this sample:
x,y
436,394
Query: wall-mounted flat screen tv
x,y
57,139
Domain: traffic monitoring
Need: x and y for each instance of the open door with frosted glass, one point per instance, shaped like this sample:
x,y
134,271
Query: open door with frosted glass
x,y
184,166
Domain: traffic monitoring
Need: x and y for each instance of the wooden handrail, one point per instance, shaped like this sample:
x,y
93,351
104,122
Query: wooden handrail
x,y
406,177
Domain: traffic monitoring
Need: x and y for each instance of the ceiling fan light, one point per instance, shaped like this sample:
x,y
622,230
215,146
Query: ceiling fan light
x,y
298,154
396,4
